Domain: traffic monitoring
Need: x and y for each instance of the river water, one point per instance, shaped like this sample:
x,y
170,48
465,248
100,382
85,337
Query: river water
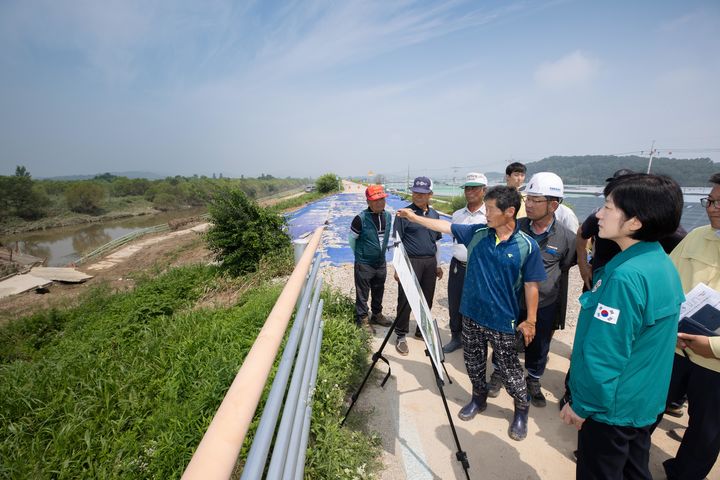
x,y
584,203
64,245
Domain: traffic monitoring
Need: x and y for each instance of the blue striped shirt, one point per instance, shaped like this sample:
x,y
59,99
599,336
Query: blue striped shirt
x,y
496,273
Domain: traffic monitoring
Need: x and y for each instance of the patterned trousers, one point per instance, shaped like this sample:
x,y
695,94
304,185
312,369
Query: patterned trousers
x,y
475,348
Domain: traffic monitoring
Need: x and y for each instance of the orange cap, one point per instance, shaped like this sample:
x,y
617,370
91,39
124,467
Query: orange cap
x,y
375,192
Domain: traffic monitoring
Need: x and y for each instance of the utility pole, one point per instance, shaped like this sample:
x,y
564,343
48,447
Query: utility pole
x,y
652,154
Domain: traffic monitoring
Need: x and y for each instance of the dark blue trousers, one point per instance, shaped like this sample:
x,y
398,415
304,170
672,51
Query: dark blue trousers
x,y
700,445
456,282
425,269
369,280
536,354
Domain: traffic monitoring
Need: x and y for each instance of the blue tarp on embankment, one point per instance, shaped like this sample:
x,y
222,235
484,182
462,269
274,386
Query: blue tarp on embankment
x,y
339,210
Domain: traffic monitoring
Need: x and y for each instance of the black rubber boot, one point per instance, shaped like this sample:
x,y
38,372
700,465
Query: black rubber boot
x,y
478,403
453,344
518,427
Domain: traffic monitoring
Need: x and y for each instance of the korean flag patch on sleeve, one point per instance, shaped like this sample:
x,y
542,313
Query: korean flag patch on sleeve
x,y
607,314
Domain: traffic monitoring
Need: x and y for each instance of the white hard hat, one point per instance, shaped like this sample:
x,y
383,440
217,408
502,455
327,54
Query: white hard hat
x,y
545,184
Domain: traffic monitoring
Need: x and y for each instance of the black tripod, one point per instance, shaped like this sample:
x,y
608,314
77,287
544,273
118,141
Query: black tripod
x,y
460,454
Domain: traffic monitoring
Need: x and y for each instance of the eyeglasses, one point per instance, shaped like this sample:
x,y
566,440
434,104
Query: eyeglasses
x,y
707,202
535,200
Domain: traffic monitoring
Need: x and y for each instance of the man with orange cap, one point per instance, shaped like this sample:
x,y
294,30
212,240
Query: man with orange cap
x,y
369,234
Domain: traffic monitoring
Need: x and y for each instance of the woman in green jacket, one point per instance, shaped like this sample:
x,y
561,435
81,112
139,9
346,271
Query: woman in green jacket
x,y
625,338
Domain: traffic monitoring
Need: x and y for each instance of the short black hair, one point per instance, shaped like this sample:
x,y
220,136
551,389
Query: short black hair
x,y
655,200
715,179
505,197
515,167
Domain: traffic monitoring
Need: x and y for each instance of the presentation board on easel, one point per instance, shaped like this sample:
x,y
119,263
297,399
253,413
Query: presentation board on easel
x,y
419,306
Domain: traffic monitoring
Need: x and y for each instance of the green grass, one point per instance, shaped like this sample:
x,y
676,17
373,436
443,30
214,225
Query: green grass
x,y
298,201
444,204
124,385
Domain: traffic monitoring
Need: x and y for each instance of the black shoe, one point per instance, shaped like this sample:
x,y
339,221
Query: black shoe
x,y
453,344
535,394
674,410
518,427
495,384
418,333
478,403
379,319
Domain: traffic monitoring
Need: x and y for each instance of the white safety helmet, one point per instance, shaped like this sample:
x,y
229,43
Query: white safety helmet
x,y
545,184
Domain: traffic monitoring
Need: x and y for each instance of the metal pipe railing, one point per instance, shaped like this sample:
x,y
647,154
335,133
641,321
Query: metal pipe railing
x,y
257,456
300,464
282,439
218,450
290,456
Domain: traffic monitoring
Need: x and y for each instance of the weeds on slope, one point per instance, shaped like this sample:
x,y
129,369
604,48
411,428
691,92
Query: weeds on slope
x,y
124,385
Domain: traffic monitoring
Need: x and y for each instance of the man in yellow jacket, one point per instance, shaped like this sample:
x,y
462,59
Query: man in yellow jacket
x,y
696,371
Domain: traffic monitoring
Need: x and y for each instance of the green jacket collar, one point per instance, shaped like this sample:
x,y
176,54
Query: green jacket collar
x,y
633,251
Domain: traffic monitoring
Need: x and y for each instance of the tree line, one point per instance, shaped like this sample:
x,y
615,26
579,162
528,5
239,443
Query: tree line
x,y
26,198
594,169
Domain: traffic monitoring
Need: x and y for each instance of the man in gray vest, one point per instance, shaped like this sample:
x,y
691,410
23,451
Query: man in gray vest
x,y
545,193
369,235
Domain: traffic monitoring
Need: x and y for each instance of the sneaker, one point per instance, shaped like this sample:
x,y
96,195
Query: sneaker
x,y
380,319
418,333
535,394
401,346
494,384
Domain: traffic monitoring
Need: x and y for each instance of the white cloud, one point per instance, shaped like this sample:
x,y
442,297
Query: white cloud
x,y
573,69
330,34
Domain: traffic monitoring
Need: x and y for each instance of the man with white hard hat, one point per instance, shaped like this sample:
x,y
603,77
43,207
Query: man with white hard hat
x,y
515,176
473,213
544,193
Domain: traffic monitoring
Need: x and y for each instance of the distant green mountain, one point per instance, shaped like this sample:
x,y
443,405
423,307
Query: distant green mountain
x,y
148,175
594,169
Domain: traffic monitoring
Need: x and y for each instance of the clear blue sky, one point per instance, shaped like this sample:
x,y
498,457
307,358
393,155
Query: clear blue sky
x,y
305,87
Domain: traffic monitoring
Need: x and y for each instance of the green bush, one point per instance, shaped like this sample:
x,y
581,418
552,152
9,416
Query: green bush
x,y
327,183
458,202
21,196
243,232
85,197
165,201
